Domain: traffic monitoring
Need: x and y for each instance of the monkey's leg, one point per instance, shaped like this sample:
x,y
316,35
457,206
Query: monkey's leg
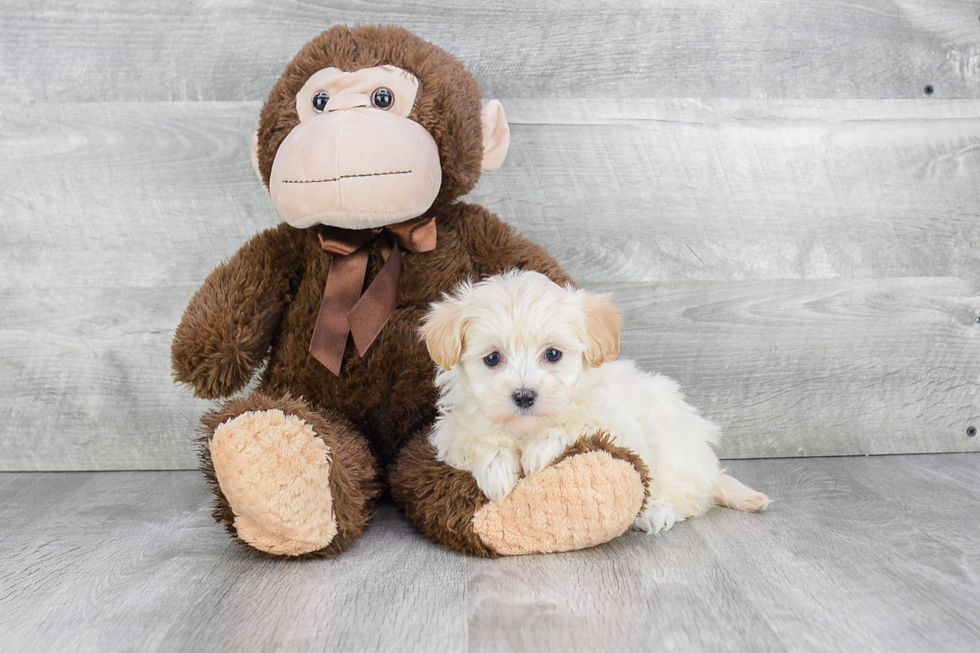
x,y
588,496
287,480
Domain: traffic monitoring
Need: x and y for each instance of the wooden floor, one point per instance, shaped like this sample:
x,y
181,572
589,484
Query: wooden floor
x,y
869,554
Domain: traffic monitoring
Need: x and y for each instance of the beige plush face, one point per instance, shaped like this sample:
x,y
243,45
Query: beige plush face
x,y
356,160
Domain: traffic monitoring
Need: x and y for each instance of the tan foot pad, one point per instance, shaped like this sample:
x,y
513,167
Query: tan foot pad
x,y
275,473
579,502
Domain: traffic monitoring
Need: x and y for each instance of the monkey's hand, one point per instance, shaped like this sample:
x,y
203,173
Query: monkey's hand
x,y
229,324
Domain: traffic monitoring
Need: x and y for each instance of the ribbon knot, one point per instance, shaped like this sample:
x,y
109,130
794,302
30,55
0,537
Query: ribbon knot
x,y
343,309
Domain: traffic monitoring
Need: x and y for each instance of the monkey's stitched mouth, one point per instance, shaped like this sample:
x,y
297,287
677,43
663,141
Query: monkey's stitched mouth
x,y
323,181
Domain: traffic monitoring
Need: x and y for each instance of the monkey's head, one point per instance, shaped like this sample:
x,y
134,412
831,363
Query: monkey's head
x,y
370,126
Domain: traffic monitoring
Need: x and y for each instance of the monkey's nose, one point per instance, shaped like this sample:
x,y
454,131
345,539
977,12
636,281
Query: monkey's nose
x,y
524,398
343,101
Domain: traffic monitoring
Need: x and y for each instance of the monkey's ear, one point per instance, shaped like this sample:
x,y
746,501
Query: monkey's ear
x,y
255,157
602,324
442,331
496,135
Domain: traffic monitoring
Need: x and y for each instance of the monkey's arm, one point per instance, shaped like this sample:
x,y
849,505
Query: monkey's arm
x,y
495,247
229,324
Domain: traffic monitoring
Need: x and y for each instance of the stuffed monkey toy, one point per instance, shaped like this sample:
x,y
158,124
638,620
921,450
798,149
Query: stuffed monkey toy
x,y
365,144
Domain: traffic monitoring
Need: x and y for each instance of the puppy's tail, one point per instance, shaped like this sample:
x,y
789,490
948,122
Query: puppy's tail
x,y
730,493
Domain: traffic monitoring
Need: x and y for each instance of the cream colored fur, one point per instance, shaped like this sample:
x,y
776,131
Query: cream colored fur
x,y
480,428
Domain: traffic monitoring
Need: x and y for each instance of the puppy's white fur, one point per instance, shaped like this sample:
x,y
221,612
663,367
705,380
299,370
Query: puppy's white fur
x,y
482,428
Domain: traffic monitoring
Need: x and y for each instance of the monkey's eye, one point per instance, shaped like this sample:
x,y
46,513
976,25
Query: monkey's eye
x,y
492,359
552,355
382,98
320,101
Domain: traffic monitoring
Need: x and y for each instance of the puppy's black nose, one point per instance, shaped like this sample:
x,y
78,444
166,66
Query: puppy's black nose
x,y
524,398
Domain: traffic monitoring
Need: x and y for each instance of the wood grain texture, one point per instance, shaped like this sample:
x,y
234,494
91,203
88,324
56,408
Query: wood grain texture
x,y
746,189
815,368
872,554
806,268
235,49
789,368
157,193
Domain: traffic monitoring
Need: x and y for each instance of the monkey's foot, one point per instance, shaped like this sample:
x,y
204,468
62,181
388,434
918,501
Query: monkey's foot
x,y
288,480
589,495
275,473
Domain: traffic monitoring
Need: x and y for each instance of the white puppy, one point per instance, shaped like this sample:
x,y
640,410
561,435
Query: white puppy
x,y
527,368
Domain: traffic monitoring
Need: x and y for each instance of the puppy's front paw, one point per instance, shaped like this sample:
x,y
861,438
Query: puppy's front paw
x,y
660,516
541,453
497,475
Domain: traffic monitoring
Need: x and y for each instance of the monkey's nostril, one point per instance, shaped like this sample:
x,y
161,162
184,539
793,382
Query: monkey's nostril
x,y
524,398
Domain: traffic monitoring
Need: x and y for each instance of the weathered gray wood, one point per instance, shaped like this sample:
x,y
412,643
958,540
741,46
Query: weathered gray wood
x,y
814,368
157,193
831,247
746,189
872,554
787,368
232,50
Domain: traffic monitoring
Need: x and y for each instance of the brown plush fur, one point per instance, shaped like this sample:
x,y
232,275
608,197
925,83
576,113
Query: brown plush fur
x,y
230,322
262,295
440,500
262,304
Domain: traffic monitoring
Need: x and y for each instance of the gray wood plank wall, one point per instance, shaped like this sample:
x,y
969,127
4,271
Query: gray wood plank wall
x,y
788,221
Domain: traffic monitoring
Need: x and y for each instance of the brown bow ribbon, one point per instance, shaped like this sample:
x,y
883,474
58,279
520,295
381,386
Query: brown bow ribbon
x,y
343,308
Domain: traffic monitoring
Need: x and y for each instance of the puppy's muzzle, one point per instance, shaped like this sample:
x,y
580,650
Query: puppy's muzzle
x,y
524,398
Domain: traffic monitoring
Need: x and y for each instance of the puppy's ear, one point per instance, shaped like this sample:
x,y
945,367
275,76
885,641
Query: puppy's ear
x,y
442,331
602,323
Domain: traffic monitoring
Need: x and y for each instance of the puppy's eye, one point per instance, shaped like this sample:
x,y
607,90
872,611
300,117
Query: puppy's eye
x,y
492,359
320,101
552,355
